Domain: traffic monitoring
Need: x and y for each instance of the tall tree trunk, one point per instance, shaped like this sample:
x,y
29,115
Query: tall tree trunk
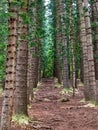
x,y
39,23
72,45
35,49
64,44
33,70
95,29
92,81
84,49
96,3
28,75
7,106
58,43
22,63
82,70
39,69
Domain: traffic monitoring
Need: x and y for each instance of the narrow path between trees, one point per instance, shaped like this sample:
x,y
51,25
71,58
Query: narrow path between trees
x,y
50,112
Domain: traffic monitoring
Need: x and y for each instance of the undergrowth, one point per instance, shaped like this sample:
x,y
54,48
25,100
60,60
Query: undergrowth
x,y
67,91
20,119
1,90
57,85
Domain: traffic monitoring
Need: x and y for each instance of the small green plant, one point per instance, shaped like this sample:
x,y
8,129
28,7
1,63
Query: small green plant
x,y
1,89
35,90
93,103
96,103
29,106
89,103
39,83
20,119
57,85
66,91
83,100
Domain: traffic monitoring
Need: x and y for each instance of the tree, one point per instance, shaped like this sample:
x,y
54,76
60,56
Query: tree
x,y
58,42
7,106
72,43
91,69
96,4
33,47
64,46
84,49
22,61
95,35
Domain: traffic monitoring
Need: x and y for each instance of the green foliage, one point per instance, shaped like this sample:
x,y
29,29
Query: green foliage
x,y
57,85
96,56
85,9
20,119
35,90
1,90
25,17
67,91
3,36
83,100
48,43
94,24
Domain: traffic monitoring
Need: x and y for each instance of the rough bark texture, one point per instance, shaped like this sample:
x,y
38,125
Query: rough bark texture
x,y
22,65
95,29
72,44
7,106
64,44
39,25
96,3
92,81
58,43
34,52
84,49
33,71
28,75
39,69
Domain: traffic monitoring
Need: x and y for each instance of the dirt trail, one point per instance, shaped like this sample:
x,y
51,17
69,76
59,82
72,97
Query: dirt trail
x,y
49,113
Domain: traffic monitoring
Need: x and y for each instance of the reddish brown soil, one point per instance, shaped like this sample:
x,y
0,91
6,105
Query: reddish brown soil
x,y
49,113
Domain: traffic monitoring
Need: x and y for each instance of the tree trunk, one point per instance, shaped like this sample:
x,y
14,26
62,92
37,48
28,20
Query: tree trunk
x,y
28,75
7,106
33,71
92,81
84,49
58,43
96,3
82,70
64,44
22,64
95,29
72,45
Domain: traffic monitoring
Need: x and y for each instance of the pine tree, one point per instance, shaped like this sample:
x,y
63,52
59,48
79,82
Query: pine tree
x,y
7,106
22,61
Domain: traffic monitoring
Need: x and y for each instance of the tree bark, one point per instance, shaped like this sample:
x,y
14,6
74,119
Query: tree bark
x,y
22,63
91,69
84,49
64,44
58,43
95,30
7,106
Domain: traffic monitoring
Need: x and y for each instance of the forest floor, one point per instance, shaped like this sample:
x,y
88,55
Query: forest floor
x,y
53,110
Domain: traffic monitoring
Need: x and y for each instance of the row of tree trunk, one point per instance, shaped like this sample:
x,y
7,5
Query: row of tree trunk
x,y
85,32
23,62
